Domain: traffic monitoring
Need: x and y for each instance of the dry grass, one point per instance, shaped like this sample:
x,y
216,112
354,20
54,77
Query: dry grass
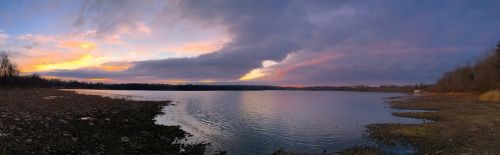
x,y
464,125
491,96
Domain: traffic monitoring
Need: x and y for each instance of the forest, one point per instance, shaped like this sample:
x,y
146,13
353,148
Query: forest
x,y
481,76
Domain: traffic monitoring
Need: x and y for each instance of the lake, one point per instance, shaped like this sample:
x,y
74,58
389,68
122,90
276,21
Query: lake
x,y
258,122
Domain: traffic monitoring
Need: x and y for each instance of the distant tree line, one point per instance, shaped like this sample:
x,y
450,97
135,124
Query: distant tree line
x,y
9,77
481,76
37,81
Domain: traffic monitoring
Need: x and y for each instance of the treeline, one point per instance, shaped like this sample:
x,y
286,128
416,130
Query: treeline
x,y
37,81
363,88
9,78
481,76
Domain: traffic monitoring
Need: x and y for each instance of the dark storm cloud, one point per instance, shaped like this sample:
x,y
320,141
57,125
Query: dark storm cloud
x,y
372,68
394,41
262,30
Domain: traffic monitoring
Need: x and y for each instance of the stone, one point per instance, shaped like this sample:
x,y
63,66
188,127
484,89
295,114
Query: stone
x,y
125,139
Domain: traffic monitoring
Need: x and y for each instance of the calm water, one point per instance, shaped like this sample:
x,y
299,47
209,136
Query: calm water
x,y
257,122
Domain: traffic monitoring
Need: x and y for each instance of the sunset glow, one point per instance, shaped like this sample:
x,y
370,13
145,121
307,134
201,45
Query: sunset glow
x,y
85,61
249,77
82,45
255,73
290,43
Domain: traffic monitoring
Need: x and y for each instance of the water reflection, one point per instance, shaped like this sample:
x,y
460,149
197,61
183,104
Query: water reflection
x,y
257,122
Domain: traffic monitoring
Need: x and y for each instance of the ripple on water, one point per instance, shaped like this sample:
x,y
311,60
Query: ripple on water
x,y
257,122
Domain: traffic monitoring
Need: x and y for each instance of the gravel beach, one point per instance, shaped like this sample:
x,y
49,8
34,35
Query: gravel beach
x,y
51,121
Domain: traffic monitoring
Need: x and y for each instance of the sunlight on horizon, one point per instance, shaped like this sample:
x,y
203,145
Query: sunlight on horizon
x,y
331,42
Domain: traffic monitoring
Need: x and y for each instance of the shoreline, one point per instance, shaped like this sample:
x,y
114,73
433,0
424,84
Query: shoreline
x,y
459,123
174,110
48,121
51,121
175,114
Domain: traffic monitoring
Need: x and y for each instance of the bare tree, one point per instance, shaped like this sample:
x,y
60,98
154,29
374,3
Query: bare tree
x,y
483,75
7,68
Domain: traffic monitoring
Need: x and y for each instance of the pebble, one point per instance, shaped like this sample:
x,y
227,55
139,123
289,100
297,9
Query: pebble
x,y
125,139
66,134
86,118
63,121
57,128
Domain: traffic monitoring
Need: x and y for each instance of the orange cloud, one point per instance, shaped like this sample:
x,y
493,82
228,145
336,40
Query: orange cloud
x,y
89,46
258,72
86,60
38,57
114,68
253,74
208,81
198,47
268,70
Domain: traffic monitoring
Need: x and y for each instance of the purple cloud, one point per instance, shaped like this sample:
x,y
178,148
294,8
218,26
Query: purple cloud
x,y
380,41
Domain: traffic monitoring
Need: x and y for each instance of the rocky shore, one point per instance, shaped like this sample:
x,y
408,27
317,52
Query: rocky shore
x,y
50,121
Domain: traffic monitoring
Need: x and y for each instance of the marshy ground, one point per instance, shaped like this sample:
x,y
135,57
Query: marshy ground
x,y
50,121
461,123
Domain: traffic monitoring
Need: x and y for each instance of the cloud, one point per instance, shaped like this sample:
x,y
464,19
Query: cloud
x,y
364,68
3,37
314,42
38,39
272,30
198,47
114,16
84,73
258,35
79,45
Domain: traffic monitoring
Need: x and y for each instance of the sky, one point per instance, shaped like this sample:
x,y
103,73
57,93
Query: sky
x,y
278,42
